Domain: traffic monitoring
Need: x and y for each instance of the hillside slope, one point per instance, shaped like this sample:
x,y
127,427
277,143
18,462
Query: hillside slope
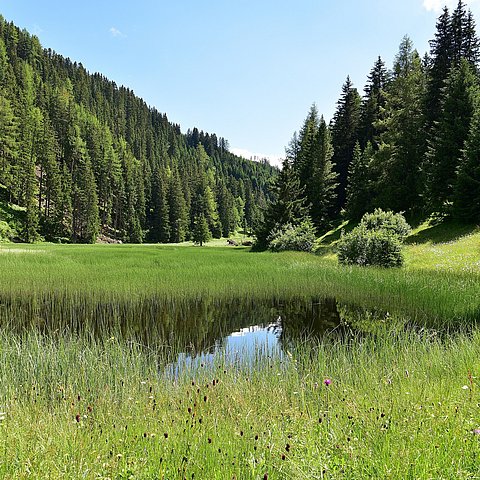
x,y
84,156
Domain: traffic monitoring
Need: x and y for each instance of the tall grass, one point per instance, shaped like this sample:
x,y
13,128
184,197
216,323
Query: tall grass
x,y
87,391
403,405
78,280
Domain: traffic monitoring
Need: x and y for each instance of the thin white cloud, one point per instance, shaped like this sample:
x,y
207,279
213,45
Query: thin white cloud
x,y
437,5
115,32
37,30
272,159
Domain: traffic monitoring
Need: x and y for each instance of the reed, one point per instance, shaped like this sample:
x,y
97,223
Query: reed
x,y
440,282
400,405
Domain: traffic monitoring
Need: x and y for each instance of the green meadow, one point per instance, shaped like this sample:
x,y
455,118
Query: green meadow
x,y
81,399
438,286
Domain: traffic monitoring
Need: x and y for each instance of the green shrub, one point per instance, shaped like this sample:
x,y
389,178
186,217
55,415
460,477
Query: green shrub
x,y
6,233
361,246
300,237
392,222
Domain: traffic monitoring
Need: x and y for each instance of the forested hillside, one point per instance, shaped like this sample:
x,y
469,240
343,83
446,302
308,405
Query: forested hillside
x,y
410,144
85,157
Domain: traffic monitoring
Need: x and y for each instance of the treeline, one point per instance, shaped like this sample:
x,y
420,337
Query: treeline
x,y
410,144
85,157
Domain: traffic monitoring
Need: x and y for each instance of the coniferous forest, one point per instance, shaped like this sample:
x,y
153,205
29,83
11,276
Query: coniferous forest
x,y
410,143
85,157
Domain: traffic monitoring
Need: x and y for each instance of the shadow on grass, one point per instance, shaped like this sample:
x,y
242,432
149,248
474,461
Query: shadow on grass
x,y
328,240
442,232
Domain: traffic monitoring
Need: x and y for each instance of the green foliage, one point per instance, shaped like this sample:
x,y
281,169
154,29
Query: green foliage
x,y
288,205
370,248
54,113
345,126
201,232
391,222
449,137
377,241
6,232
360,184
372,104
396,169
300,238
466,194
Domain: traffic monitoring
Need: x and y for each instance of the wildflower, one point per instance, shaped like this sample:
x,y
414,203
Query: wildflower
x,y
465,387
327,382
2,416
476,431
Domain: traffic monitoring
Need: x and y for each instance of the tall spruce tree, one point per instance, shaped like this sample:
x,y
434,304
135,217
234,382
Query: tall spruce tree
x,y
177,209
288,204
226,209
85,219
466,192
49,194
159,212
311,159
398,162
440,62
360,188
372,103
345,127
8,143
450,134
201,233
305,146
320,187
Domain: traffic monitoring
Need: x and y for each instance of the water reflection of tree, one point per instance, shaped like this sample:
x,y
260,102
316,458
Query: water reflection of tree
x,y
307,320
194,327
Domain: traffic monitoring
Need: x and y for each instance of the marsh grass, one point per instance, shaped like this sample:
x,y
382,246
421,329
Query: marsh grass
x,y
439,284
403,405
84,395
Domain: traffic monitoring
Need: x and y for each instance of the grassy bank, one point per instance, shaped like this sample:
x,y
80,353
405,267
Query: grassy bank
x,y
440,281
400,406
89,403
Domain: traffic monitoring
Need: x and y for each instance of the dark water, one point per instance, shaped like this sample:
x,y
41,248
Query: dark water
x,y
187,331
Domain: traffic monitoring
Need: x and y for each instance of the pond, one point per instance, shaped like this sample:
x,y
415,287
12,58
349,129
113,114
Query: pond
x,y
186,332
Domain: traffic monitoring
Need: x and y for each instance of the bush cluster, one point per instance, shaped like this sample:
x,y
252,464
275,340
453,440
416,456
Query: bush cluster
x,y
388,221
376,241
299,237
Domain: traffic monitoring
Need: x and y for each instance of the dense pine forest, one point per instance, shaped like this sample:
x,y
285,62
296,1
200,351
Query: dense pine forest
x,y
410,144
84,157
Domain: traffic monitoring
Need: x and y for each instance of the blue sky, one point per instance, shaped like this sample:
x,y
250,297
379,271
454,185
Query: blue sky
x,y
247,70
